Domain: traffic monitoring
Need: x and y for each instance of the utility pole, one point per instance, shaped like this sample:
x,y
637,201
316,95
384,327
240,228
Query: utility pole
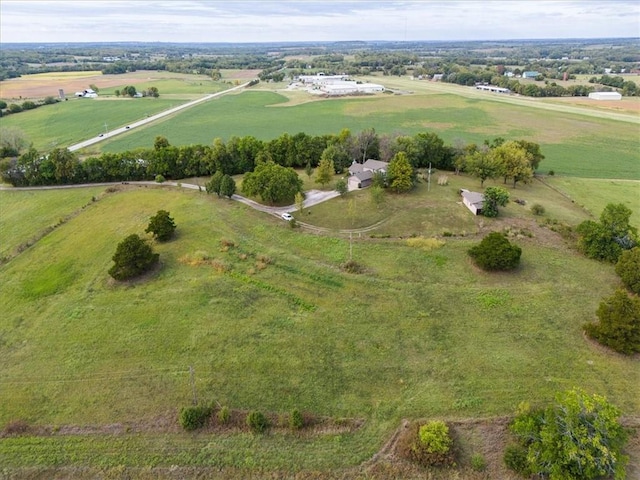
x,y
105,128
429,179
193,385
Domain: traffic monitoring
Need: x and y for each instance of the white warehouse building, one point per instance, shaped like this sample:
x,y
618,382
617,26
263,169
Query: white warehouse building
x,y
605,96
349,88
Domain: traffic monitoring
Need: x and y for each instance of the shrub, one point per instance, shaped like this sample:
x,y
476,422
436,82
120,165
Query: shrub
x,y
161,225
133,257
257,421
537,209
223,415
515,458
160,178
478,463
579,437
351,266
552,173
192,418
619,326
296,421
628,269
432,444
495,252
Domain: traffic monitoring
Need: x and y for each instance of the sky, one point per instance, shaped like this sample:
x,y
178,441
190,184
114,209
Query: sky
x,y
328,20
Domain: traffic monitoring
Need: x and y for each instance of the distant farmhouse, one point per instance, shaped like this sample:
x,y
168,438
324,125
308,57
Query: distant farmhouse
x,y
88,93
361,174
605,96
531,74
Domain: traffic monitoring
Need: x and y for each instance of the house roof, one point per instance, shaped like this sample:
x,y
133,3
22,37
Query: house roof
x,y
375,165
365,175
474,198
355,168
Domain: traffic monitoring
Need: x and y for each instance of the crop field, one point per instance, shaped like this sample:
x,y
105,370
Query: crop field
x,y
66,123
573,145
268,321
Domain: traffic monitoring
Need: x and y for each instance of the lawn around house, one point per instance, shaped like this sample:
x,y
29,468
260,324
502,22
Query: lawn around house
x,y
421,334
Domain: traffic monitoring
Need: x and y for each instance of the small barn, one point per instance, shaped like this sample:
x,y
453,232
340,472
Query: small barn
x,y
472,200
605,96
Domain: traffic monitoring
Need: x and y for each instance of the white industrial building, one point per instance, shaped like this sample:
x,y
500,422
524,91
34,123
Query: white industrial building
x,y
350,88
322,79
493,88
605,96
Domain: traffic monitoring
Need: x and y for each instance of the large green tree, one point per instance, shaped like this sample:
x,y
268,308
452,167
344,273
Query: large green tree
x,y
227,186
161,225
494,197
133,257
495,252
619,323
605,240
272,183
514,162
579,437
324,172
400,173
481,164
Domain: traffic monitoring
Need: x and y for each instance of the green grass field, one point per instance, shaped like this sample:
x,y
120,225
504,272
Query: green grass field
x,y
66,123
573,145
419,334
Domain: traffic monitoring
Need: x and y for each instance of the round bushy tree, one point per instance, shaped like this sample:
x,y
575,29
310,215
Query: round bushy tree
x,y
628,269
579,437
161,225
619,326
495,252
133,257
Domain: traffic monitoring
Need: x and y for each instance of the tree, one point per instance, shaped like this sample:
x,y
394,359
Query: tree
x,y
342,187
215,183
273,183
482,165
619,326
377,195
325,170
628,269
366,145
494,197
161,225
65,163
533,149
299,199
607,239
133,257
227,186
514,162
153,92
578,437
400,173
160,142
495,252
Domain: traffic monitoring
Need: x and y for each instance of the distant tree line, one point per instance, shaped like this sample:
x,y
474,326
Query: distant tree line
x,y
515,160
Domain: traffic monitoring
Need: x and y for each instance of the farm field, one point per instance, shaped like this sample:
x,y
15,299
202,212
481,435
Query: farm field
x,y
420,334
573,145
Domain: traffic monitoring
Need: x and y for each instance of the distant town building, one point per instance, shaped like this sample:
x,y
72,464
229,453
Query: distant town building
x,y
88,93
530,74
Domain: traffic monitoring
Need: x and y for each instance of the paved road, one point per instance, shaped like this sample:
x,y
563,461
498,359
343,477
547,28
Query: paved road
x,y
150,119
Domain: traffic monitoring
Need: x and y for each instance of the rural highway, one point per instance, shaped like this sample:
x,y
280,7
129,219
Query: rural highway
x,y
150,119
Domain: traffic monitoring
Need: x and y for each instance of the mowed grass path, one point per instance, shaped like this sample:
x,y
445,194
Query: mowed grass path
x,y
573,144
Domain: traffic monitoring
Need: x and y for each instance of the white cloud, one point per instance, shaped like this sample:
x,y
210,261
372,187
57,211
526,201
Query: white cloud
x,y
263,21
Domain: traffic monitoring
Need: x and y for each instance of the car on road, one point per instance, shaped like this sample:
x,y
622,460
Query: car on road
x,y
101,135
127,127
287,216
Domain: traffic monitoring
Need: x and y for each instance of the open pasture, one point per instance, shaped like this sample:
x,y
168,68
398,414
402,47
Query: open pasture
x,y
573,144
419,334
